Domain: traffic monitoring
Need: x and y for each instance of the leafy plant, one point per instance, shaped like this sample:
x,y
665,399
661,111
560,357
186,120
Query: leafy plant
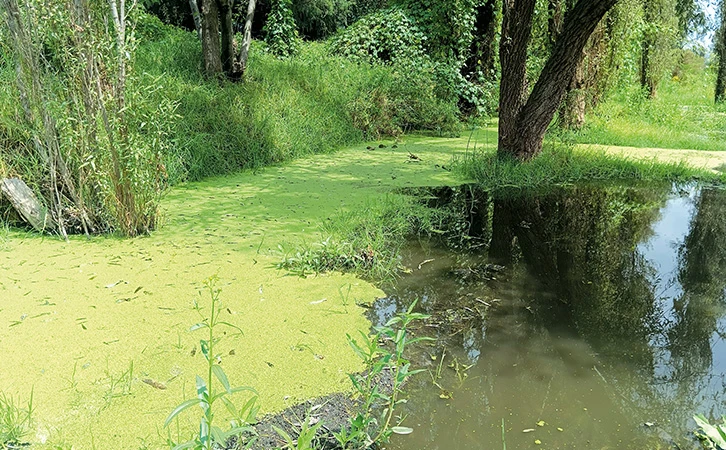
x,y
306,438
281,35
374,424
14,420
712,435
207,394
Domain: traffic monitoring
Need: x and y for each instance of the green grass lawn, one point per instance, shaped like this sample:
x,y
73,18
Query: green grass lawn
x,y
681,116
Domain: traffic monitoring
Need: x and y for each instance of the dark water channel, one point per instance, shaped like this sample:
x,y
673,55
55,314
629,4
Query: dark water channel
x,y
599,312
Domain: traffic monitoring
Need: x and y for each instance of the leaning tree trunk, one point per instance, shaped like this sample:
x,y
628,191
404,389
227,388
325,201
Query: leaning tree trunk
x,y
240,64
197,17
523,124
721,52
210,39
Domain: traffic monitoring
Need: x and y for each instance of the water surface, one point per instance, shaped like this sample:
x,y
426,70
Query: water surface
x,y
593,316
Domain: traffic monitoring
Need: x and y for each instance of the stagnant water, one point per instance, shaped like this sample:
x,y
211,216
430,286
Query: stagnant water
x,y
591,317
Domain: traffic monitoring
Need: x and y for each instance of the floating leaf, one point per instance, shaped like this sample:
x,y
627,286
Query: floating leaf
x,y
541,423
538,442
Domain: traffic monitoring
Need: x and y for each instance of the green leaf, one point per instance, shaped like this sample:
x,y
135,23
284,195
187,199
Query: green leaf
x,y
284,436
205,348
185,445
402,430
713,433
222,377
202,393
181,407
232,326
197,326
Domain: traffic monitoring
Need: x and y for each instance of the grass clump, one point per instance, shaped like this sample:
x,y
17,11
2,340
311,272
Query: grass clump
x,y
14,421
562,164
366,241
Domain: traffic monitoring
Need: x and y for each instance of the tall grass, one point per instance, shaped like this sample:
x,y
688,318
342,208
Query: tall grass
x,y
311,103
681,116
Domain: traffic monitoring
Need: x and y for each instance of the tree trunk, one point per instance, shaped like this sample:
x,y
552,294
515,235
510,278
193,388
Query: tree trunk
x,y
721,52
648,79
240,65
196,16
210,39
516,33
658,43
522,126
585,88
225,13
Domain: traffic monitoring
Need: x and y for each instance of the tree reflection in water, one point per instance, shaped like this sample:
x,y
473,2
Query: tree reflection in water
x,y
577,263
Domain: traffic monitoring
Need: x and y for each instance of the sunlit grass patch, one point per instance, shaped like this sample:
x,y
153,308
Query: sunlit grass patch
x,y
562,164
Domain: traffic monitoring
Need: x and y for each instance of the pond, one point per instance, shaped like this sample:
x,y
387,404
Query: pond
x,y
588,317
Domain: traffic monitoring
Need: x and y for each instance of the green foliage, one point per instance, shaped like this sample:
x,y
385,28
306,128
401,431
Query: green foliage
x,y
660,39
210,435
384,37
280,33
317,19
447,24
712,435
78,124
306,438
682,116
421,36
310,103
374,424
14,421
172,12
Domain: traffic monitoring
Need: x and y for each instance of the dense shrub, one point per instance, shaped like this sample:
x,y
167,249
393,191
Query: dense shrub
x,y
280,33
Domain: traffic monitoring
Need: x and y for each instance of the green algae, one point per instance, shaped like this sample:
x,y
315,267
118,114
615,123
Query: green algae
x,y
75,316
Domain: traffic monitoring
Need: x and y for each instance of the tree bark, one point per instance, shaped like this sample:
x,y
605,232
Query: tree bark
x,y
225,13
721,52
240,65
210,39
516,34
197,17
522,126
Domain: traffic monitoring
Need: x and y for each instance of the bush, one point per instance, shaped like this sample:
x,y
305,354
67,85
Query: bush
x,y
280,33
